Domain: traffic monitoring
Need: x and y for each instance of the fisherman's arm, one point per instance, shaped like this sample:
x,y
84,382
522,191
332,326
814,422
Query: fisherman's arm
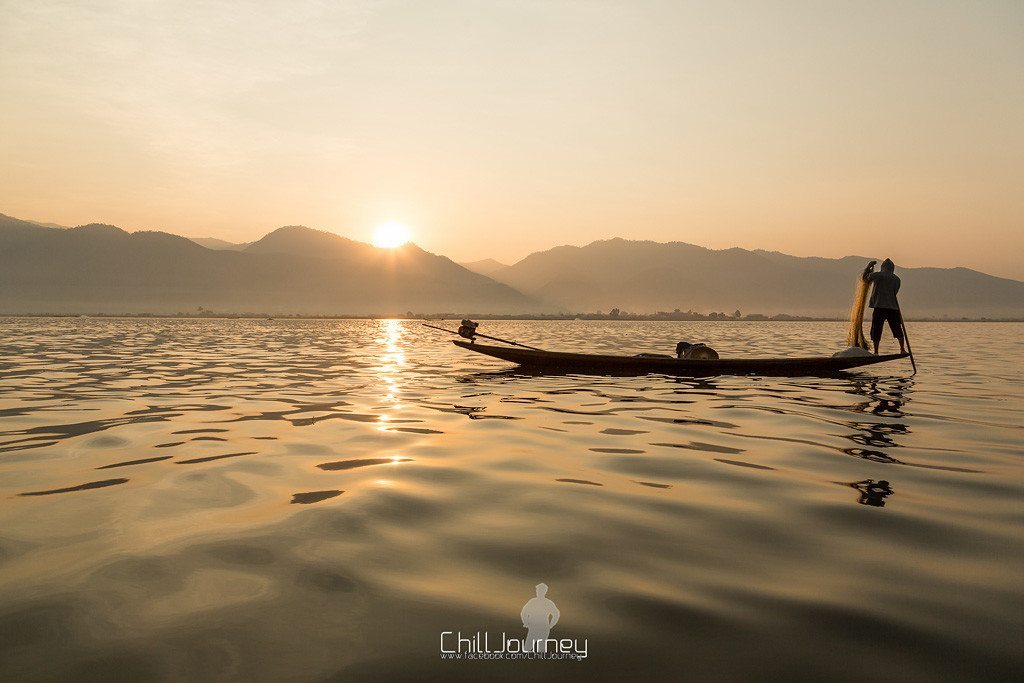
x,y
555,614
868,272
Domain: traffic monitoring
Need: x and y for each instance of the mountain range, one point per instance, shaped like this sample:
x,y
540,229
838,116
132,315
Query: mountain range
x,y
644,276
100,268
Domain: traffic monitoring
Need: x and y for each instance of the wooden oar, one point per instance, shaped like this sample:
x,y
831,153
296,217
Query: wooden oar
x,y
906,338
485,336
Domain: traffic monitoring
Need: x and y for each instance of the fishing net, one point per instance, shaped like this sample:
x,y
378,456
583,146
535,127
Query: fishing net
x,y
855,332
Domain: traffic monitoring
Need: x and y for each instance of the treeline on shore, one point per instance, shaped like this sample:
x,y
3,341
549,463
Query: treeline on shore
x,y
612,315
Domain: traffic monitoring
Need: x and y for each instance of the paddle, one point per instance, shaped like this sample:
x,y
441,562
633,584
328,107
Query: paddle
x,y
485,336
906,338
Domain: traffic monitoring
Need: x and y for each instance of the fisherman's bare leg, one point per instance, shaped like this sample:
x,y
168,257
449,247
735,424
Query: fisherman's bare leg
x,y
877,321
896,325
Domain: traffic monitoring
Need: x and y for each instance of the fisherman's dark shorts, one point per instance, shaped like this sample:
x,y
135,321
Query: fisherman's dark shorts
x,y
882,315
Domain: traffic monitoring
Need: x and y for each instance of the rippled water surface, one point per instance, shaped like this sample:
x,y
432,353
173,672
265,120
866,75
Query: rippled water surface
x,y
311,500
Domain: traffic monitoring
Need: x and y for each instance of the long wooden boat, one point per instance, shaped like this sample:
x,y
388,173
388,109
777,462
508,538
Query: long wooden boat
x,y
591,363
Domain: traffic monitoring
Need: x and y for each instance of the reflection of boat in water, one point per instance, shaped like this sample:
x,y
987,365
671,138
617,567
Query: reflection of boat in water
x,y
591,362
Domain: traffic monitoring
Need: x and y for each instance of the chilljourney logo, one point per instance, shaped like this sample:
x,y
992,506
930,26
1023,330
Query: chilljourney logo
x,y
539,616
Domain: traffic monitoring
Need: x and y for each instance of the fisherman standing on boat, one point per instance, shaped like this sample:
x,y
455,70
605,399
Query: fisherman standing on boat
x,y
886,283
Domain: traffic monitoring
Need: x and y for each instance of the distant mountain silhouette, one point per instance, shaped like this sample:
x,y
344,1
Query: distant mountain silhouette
x,y
645,277
103,269
487,266
218,244
298,240
47,225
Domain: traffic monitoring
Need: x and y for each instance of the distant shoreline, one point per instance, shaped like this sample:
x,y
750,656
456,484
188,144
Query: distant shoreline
x,y
455,317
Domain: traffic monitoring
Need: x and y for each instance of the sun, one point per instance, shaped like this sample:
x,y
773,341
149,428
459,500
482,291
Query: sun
x,y
391,235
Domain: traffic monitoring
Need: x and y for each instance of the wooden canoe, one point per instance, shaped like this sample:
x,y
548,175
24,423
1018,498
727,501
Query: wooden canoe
x,y
591,363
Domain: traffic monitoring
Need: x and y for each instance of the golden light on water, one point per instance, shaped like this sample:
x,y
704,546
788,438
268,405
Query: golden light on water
x,y
392,360
390,235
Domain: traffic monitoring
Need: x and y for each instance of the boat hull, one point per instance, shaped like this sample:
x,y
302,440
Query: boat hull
x,y
592,363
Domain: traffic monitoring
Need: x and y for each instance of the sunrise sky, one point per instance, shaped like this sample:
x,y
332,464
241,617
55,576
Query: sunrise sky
x,y
497,128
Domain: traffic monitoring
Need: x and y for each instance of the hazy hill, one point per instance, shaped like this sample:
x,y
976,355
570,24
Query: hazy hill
x,y
487,266
218,244
47,225
298,240
103,269
650,276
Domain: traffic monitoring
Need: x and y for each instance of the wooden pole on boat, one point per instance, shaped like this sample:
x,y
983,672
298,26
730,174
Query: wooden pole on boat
x,y
485,336
906,338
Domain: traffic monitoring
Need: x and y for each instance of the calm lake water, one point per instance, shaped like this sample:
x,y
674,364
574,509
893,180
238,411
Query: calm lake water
x,y
320,500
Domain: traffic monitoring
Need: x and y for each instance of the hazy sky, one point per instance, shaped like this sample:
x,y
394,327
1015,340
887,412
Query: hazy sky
x,y
496,128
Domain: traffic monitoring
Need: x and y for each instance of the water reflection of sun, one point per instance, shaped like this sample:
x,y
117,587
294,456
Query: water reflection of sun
x,y
392,362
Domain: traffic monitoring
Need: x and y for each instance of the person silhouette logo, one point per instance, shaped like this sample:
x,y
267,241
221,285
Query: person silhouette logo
x,y
539,616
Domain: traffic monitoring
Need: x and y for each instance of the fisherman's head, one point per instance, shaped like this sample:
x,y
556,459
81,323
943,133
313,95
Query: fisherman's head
x,y
888,266
542,590
682,347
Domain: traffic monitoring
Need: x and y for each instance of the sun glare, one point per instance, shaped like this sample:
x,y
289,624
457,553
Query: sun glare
x,y
391,235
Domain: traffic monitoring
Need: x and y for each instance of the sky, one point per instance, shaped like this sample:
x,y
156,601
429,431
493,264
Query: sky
x,y
498,128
